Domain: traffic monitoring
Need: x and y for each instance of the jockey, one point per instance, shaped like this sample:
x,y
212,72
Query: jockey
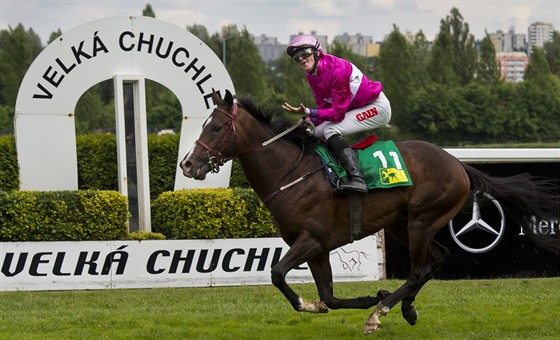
x,y
347,102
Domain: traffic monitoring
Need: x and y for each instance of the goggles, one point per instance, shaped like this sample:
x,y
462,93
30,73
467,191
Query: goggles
x,y
304,53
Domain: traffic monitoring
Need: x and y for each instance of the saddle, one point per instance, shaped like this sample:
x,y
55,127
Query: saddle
x,y
380,162
382,167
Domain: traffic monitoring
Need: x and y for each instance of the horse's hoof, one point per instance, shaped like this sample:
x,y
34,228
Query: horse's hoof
x,y
381,294
312,307
411,316
371,327
322,307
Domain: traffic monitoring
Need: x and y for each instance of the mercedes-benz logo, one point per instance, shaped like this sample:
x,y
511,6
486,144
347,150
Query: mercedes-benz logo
x,y
480,234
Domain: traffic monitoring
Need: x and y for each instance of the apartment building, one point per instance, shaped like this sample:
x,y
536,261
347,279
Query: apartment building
x,y
269,47
538,33
357,43
512,65
509,41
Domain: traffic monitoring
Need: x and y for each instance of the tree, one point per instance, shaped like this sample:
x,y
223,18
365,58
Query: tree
x,y
530,112
343,51
214,42
421,56
54,35
148,11
541,91
479,118
395,70
552,52
200,32
35,42
290,85
538,69
440,66
6,124
510,105
487,67
454,52
165,112
18,48
539,110
435,109
92,113
245,65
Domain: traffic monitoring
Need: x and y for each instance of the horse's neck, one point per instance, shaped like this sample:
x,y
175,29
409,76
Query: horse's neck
x,y
267,167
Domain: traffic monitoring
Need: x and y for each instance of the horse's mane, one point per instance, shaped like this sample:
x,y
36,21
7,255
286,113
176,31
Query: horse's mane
x,y
269,117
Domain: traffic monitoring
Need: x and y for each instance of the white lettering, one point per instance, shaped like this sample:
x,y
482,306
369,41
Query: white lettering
x,y
543,227
181,263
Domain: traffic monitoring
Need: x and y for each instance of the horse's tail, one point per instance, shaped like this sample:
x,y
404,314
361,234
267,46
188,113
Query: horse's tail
x,y
527,200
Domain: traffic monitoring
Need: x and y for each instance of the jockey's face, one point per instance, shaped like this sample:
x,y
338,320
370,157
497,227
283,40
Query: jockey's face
x,y
305,58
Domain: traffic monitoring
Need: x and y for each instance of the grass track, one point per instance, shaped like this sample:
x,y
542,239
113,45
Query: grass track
x,y
462,309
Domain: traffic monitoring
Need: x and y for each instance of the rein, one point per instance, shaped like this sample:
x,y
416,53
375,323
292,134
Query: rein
x,y
273,139
216,160
284,187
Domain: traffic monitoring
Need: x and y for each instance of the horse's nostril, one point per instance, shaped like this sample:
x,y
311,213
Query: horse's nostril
x,y
185,165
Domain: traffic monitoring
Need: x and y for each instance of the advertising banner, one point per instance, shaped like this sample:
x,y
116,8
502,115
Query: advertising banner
x,y
179,263
484,242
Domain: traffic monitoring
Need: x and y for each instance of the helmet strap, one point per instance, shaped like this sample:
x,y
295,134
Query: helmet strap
x,y
316,56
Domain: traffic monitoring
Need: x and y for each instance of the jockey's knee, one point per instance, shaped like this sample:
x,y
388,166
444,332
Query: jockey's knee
x,y
331,130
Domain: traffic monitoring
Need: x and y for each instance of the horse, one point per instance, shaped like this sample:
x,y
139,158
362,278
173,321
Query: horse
x,y
313,218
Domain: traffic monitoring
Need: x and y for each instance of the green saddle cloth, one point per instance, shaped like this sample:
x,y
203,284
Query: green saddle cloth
x,y
381,164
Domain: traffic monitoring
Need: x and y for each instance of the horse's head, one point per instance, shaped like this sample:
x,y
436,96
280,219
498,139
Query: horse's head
x,y
216,144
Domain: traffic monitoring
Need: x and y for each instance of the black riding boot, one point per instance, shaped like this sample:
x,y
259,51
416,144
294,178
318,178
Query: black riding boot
x,y
349,161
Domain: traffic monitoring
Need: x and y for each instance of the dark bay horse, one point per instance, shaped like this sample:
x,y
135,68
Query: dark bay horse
x,y
314,220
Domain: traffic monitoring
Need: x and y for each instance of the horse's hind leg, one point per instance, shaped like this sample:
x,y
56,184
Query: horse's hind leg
x,y
420,238
322,274
300,252
438,255
419,274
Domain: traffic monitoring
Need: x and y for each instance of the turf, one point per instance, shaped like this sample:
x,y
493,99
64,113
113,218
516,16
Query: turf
x,y
462,309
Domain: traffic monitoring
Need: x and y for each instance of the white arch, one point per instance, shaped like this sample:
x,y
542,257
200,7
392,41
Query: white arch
x,y
100,50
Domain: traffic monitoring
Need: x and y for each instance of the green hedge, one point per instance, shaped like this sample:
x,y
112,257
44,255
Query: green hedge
x,y
97,163
163,152
236,212
84,215
9,169
211,214
89,215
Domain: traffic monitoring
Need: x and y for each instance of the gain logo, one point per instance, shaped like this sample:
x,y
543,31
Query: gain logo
x,y
481,230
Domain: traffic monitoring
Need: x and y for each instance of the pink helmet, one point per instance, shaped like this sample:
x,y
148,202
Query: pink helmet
x,y
303,41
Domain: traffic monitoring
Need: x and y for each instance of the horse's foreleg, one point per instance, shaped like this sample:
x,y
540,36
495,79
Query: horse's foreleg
x,y
300,252
322,274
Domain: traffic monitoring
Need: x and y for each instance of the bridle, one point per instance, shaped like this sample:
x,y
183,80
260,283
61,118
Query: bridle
x,y
215,157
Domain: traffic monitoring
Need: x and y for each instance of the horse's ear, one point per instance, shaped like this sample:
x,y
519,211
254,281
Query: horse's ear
x,y
228,99
216,97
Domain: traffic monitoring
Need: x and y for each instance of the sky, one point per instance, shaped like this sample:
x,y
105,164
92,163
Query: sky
x,y
282,18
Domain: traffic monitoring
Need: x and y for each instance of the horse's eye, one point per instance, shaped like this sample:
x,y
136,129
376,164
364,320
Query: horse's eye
x,y
216,128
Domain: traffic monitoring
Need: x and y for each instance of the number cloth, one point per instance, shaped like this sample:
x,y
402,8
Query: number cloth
x,y
381,164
